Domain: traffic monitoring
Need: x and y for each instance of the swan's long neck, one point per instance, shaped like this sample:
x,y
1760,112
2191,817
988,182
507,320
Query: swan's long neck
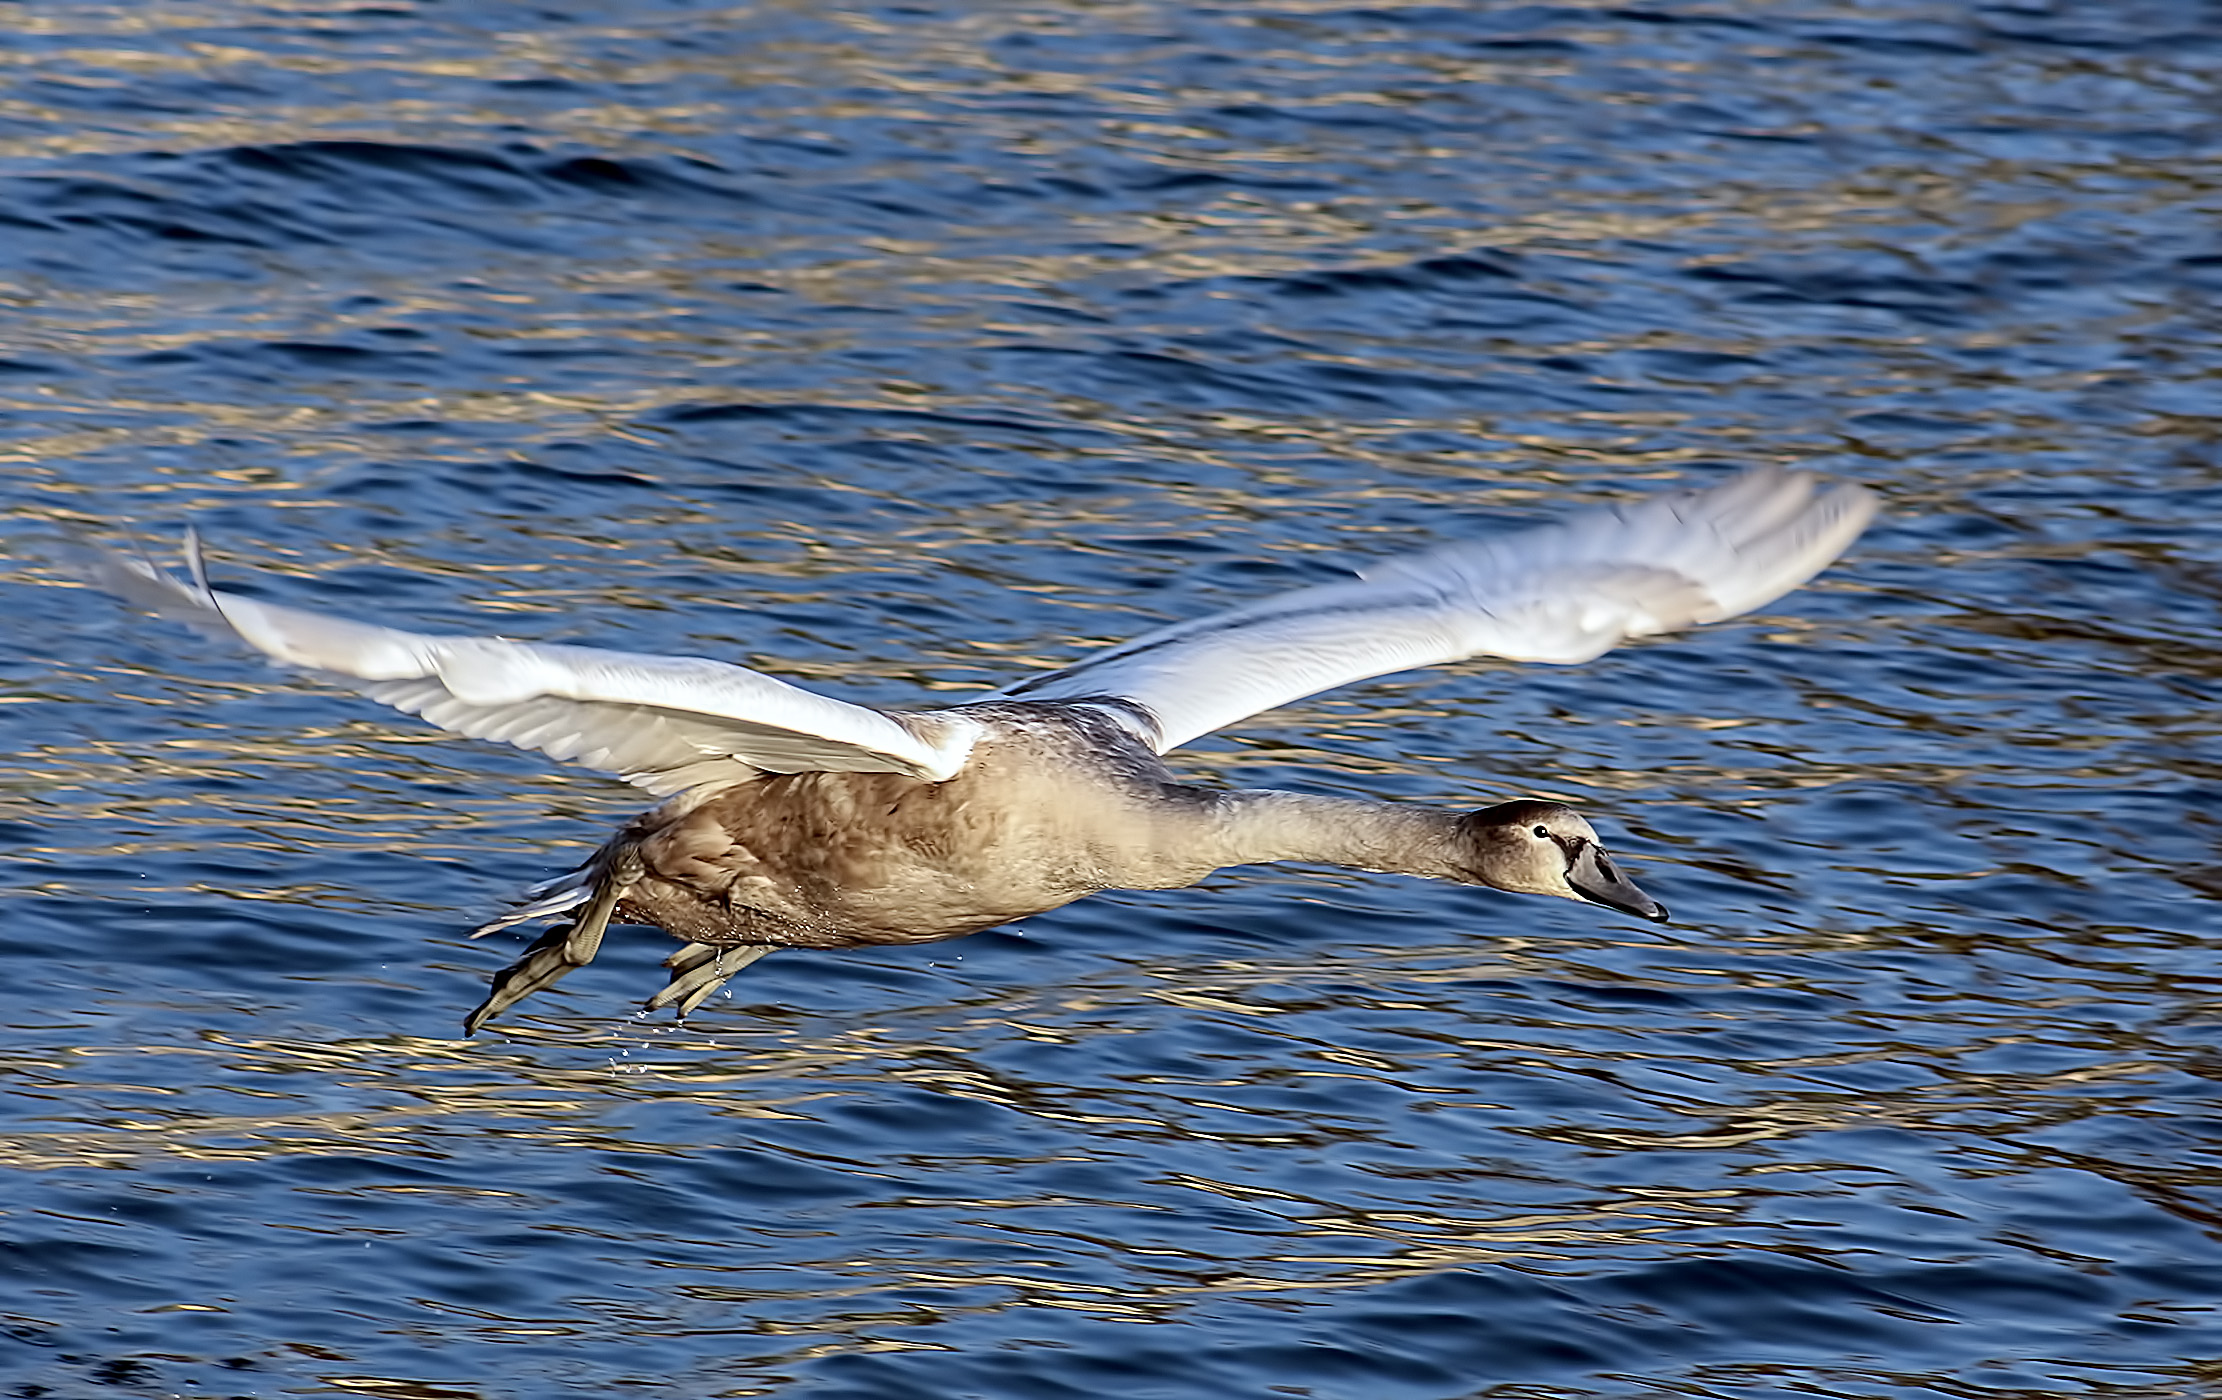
x,y
1249,826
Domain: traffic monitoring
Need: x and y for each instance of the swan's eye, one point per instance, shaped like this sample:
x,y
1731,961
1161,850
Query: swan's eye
x,y
1544,832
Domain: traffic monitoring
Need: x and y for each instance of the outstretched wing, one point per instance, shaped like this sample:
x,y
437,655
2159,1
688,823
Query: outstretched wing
x,y
663,722
1566,592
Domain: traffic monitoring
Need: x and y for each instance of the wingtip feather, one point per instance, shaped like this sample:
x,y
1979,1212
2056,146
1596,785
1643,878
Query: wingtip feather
x,y
1781,541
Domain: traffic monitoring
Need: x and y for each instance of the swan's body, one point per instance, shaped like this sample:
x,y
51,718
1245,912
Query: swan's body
x,y
794,820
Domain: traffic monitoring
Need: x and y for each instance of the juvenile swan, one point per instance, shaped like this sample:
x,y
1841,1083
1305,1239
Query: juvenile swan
x,y
794,820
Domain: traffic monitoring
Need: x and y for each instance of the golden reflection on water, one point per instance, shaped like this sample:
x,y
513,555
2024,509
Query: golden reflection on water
x,y
1243,235
1363,1111
420,1096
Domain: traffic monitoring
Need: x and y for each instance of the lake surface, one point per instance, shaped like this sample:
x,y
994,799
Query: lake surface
x,y
898,349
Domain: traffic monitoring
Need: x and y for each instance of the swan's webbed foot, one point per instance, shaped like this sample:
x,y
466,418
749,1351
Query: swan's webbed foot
x,y
699,969
563,949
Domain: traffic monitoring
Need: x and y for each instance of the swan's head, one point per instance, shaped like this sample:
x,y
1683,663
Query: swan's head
x,y
1536,847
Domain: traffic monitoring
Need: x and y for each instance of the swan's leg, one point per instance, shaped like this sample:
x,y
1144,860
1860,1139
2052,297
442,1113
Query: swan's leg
x,y
700,969
562,949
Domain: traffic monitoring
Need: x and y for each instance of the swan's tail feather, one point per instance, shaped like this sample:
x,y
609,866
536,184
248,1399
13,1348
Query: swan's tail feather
x,y
550,897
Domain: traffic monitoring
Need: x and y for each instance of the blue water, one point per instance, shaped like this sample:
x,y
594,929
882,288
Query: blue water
x,y
896,350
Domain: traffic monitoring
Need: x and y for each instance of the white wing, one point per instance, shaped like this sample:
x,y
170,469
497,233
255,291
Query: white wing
x,y
663,722
1565,593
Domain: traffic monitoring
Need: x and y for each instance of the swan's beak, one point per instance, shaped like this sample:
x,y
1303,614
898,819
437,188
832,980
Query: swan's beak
x,y
1595,878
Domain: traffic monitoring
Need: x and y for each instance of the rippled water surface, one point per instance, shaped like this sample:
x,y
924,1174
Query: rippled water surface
x,y
898,349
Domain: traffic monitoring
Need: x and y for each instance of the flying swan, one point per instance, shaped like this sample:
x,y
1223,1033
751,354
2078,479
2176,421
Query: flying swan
x,y
794,820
